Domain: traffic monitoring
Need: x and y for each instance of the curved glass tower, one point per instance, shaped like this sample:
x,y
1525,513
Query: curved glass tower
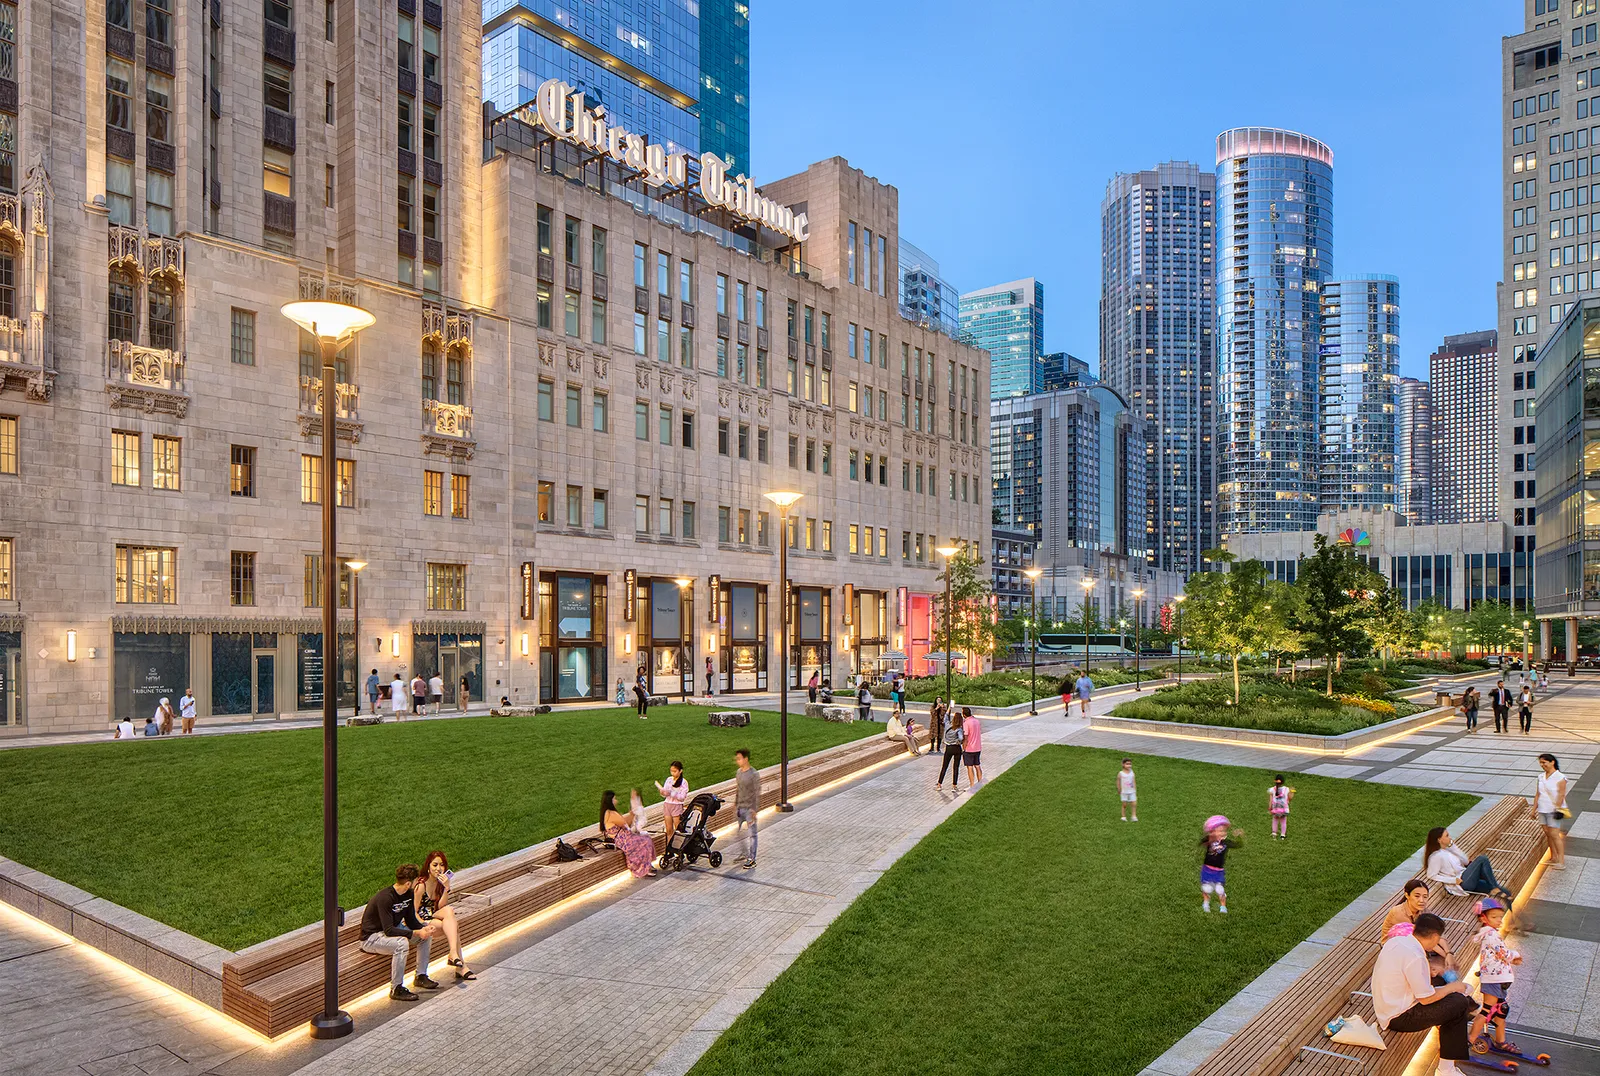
x,y
1274,254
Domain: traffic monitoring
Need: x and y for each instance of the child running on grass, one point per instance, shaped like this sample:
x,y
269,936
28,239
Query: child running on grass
x,y
1495,975
1126,790
1278,797
1215,841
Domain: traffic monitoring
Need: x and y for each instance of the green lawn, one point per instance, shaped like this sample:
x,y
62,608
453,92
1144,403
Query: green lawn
x,y
1276,706
221,836
1033,932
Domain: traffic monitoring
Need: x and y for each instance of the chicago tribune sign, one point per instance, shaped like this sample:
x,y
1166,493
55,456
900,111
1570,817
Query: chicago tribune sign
x,y
587,127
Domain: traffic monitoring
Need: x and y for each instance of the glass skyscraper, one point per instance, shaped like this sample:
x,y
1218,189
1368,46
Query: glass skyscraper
x,y
674,70
1007,321
925,295
1413,450
1157,341
1360,370
1274,254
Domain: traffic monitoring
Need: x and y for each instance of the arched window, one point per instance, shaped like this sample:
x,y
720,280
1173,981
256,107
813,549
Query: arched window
x,y
8,280
163,314
430,371
122,312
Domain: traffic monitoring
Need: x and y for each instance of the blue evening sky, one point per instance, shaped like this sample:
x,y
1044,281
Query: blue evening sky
x,y
1000,124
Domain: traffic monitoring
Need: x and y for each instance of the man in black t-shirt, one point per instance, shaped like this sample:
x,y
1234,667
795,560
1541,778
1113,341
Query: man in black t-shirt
x,y
387,927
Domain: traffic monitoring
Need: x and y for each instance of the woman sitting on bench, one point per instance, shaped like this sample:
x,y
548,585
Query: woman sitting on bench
x,y
1443,862
433,894
1414,904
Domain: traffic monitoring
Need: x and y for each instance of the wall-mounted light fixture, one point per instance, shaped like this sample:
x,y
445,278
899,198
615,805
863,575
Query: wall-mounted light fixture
x,y
627,643
72,645
524,644
394,644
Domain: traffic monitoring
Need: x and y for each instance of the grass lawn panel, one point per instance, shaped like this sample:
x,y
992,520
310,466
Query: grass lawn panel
x,y
1032,932
221,836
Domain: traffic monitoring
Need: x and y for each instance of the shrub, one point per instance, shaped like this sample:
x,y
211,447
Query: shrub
x,y
1377,706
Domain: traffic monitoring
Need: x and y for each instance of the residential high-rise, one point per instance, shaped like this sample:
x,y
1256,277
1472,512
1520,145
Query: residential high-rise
x,y
1060,370
1413,450
1360,358
1567,582
677,73
1545,144
926,296
1463,382
1157,312
1007,321
1274,254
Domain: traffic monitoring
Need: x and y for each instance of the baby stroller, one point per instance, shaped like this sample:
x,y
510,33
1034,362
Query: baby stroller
x,y
693,838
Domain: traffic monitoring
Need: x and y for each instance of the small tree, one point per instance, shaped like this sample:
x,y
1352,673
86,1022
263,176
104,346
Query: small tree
x,y
1436,626
1332,586
1228,610
1280,638
1492,625
1389,624
972,628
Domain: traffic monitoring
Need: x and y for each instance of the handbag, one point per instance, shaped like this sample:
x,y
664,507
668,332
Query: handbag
x,y
565,853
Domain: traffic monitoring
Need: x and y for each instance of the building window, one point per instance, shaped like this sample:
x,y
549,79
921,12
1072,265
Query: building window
x,y
687,429
547,400
744,526
430,132
664,424
688,528
641,420
597,321
460,495
241,578
313,582
827,536
570,310
158,106
119,94
277,172
124,458
763,452
686,347
598,505
163,314
243,337
6,593
8,279
433,493
666,523
327,186
641,335
146,575
546,502
8,444
744,441
574,406
346,475
119,191
166,462
122,317
431,230
403,111
574,506
447,586
310,479
641,514
407,203
601,413
724,522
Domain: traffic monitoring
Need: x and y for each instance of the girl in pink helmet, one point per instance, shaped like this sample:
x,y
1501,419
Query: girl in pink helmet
x,y
1215,842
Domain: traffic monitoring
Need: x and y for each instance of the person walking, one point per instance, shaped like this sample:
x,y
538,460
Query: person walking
x,y
1500,702
811,686
419,695
641,693
864,702
1085,689
1525,708
746,801
399,697
186,706
711,676
463,694
1469,706
436,690
1550,808
372,692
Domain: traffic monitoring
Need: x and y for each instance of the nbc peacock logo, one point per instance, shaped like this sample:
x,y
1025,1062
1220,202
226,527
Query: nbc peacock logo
x,y
1351,536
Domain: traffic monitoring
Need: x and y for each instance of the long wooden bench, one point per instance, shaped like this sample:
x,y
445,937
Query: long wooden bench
x,y
1287,1035
276,986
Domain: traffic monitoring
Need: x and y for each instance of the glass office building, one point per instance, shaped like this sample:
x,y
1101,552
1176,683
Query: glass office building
x,y
1274,255
925,296
675,71
1360,372
1157,340
1007,321
1413,450
1567,566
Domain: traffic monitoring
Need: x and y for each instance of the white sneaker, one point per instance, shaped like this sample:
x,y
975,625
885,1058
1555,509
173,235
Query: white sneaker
x,y
1136,818
1455,890
1124,818
1223,908
1205,907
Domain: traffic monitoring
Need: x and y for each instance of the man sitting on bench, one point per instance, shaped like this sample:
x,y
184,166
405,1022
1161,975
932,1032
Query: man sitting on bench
x,y
1405,999
389,924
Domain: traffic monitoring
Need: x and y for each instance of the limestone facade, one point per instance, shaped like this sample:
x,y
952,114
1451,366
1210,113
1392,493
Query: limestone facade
x,y
153,519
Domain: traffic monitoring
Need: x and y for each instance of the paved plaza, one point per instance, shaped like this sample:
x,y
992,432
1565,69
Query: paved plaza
x,y
643,977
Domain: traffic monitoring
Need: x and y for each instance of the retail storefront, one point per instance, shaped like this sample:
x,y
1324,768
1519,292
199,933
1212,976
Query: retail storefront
x,y
450,650
869,621
664,613
742,635
572,636
810,635
917,625
148,666
244,672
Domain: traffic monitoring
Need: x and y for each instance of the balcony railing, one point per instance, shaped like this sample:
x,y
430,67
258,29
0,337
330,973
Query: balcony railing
x,y
311,397
447,419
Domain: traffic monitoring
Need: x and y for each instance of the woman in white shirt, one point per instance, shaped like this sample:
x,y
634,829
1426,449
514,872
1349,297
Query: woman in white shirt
x,y
1446,864
1550,807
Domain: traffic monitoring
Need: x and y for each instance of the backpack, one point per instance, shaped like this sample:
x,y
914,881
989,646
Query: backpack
x,y
565,853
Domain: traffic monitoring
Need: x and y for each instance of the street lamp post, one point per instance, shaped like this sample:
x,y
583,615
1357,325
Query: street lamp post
x,y
686,666
1138,598
784,499
1033,575
355,567
1527,646
1178,601
1088,587
332,324
948,552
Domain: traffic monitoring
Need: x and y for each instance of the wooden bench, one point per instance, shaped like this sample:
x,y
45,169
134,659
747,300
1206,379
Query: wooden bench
x,y
1287,1035
276,986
